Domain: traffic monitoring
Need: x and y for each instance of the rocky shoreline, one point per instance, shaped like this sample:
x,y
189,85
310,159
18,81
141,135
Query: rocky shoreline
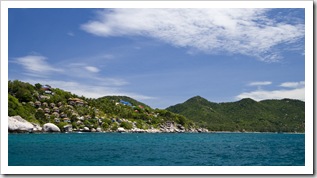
x,y
17,124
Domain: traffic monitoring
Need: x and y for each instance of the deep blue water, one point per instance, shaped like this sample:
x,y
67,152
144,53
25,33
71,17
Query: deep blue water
x,y
163,149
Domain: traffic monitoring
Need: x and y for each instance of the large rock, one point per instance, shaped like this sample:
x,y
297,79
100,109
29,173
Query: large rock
x,y
37,128
120,129
86,129
18,124
50,127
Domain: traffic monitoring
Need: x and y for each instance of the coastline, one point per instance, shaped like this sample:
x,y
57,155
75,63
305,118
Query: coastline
x,y
186,132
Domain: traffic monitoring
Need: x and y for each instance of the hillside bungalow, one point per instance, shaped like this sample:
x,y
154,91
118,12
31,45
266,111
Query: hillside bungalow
x,y
76,101
56,120
66,119
37,103
55,114
46,89
52,105
126,103
31,103
42,97
47,110
56,109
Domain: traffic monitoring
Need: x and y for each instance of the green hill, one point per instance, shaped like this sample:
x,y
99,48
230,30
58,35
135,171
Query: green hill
x,y
42,104
284,115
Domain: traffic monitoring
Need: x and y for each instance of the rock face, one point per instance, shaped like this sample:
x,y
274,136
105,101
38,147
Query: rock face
x,y
18,124
120,129
37,128
68,128
49,127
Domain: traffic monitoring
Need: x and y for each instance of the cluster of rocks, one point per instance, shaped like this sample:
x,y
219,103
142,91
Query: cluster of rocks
x,y
20,125
198,130
87,129
137,130
171,127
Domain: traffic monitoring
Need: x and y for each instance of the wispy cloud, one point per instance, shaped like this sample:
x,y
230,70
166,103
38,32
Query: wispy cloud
x,y
87,90
260,83
92,69
293,84
296,91
36,65
234,31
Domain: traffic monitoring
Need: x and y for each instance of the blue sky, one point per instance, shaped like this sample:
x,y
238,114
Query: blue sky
x,y
161,56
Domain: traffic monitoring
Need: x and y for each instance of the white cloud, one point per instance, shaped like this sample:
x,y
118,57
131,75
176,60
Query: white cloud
x,y
260,83
296,91
293,84
234,31
76,70
36,65
87,90
92,69
258,95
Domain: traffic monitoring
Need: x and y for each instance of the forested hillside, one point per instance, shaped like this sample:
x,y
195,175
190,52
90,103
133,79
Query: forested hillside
x,y
45,104
284,115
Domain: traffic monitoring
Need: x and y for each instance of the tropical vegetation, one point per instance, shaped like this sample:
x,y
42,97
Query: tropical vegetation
x,y
286,115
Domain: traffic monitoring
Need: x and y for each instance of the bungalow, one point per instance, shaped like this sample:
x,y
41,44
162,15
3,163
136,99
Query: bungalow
x,y
76,101
44,97
55,114
38,103
47,110
46,89
66,119
52,105
56,109
56,120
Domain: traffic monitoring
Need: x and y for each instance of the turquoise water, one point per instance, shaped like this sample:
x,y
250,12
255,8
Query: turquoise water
x,y
164,149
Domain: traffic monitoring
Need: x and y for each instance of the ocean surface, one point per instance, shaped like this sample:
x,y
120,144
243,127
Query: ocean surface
x,y
160,149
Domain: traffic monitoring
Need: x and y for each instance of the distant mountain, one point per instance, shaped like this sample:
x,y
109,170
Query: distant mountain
x,y
286,115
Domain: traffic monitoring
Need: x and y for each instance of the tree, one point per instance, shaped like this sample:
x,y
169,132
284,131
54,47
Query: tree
x,y
40,115
38,86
